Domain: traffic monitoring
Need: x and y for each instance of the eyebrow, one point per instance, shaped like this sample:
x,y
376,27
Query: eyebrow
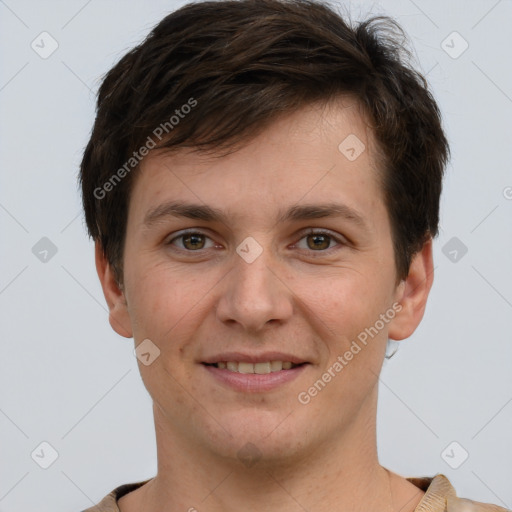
x,y
295,213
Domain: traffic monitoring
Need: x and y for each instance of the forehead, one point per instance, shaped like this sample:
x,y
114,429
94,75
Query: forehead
x,y
322,151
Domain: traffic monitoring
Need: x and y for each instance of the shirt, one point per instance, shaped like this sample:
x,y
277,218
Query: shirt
x,y
439,496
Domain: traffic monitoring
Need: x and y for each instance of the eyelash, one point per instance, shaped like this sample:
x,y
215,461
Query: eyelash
x,y
311,232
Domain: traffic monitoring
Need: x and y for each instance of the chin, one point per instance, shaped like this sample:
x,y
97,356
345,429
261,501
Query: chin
x,y
254,436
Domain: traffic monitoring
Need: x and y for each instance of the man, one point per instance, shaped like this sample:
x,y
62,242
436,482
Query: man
x,y
262,184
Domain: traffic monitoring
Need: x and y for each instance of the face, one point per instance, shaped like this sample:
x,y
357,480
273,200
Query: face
x,y
238,266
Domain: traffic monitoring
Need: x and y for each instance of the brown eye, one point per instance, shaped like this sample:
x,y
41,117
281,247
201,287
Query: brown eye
x,y
193,241
319,241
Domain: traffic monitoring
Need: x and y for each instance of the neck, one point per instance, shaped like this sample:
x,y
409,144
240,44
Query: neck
x,y
328,476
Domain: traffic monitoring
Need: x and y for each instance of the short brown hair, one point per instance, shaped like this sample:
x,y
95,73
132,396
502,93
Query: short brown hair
x,y
237,65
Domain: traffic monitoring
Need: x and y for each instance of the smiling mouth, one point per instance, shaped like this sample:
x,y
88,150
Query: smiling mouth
x,y
257,368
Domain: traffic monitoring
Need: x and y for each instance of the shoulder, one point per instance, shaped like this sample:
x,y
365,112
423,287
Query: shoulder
x,y
440,496
109,502
456,504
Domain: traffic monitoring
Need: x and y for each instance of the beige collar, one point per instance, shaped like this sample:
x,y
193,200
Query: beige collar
x,y
440,496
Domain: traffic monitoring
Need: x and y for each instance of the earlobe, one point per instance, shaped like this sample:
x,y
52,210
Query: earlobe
x,y
412,294
119,317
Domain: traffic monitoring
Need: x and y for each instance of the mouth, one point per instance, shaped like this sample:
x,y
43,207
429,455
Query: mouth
x,y
261,373
261,368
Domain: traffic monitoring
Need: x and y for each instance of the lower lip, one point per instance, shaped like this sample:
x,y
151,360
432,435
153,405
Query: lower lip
x,y
254,382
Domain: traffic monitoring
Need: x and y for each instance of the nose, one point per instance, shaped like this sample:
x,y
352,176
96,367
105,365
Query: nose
x,y
255,295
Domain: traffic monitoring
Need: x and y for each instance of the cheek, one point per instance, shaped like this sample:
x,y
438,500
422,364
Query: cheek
x,y
163,306
344,315
346,304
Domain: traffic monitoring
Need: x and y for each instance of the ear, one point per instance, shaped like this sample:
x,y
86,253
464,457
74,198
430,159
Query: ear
x,y
412,294
119,317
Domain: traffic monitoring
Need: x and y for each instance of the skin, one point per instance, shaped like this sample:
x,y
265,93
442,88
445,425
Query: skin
x,y
197,299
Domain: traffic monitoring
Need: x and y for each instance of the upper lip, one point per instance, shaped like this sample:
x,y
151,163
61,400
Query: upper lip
x,y
253,358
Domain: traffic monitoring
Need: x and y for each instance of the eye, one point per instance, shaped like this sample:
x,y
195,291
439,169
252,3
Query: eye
x,y
316,241
191,241
319,240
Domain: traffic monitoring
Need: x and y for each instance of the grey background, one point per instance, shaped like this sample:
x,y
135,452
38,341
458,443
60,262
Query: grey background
x,y
67,379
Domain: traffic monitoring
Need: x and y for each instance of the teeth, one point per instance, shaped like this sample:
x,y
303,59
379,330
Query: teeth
x,y
245,368
259,368
276,366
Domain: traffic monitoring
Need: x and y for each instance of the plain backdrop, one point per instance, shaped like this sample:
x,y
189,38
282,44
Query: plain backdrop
x,y
66,379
